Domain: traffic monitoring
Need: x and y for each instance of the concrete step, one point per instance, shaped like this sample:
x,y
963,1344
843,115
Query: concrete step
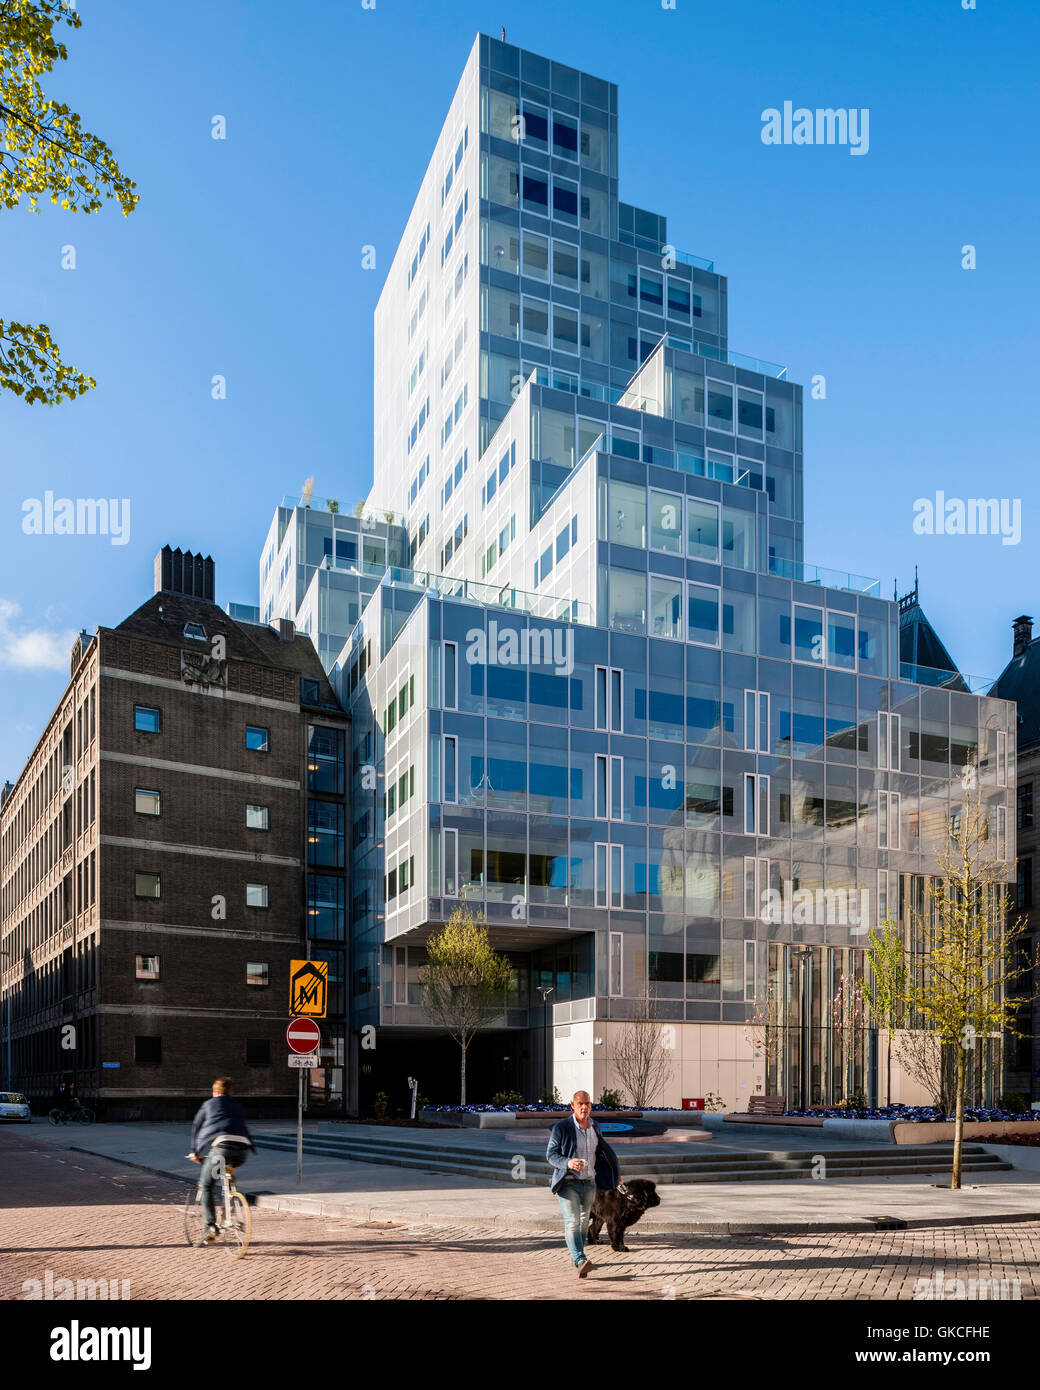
x,y
742,1167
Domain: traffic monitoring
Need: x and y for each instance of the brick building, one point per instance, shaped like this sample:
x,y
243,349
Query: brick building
x,y
175,839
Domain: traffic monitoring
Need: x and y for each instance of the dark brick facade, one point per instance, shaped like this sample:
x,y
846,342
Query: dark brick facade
x,y
207,1017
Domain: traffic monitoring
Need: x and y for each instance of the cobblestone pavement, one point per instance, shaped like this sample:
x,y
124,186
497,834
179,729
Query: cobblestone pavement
x,y
89,1218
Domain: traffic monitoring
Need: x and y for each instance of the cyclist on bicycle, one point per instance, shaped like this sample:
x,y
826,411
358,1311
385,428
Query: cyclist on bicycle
x,y
221,1123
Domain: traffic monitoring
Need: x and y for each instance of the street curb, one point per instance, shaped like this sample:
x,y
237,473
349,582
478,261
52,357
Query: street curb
x,y
354,1211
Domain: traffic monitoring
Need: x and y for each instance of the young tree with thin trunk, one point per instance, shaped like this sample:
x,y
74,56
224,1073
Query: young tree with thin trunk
x,y
886,989
960,994
644,1052
45,152
464,981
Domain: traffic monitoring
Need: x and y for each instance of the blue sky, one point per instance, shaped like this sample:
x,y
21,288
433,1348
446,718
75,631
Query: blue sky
x,y
244,259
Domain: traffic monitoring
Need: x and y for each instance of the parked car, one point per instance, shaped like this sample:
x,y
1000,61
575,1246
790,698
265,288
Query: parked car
x,y
14,1106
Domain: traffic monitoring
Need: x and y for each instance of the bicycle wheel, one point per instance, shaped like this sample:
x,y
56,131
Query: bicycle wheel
x,y
236,1234
53,1117
194,1225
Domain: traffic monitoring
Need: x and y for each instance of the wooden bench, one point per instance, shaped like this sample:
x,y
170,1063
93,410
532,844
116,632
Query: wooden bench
x,y
766,1105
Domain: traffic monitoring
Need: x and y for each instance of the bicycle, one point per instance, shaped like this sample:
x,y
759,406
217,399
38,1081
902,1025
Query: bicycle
x,y
233,1213
81,1115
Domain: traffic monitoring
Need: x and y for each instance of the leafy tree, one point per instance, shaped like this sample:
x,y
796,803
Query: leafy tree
x,y
960,992
886,989
464,981
44,152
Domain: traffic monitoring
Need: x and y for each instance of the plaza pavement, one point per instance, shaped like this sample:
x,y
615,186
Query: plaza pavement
x,y
355,1191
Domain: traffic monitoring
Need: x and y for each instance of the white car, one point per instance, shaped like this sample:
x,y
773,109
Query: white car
x,y
14,1107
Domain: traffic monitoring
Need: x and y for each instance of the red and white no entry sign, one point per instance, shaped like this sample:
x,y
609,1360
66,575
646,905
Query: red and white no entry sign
x,y
303,1035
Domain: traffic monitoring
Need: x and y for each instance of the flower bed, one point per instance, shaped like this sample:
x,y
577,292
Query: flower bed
x,y
918,1114
531,1109
1031,1141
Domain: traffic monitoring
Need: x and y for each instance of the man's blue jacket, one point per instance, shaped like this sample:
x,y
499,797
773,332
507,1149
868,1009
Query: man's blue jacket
x,y
219,1115
563,1145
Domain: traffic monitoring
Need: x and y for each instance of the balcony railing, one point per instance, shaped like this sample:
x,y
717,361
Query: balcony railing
x,y
494,595
952,680
826,578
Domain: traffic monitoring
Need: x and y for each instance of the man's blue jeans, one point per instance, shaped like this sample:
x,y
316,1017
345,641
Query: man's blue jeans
x,y
576,1199
234,1155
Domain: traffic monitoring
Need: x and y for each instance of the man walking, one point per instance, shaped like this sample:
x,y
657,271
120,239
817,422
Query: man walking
x,y
582,1162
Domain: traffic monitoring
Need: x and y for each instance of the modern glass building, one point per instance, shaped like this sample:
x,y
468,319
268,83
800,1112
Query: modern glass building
x,y
597,691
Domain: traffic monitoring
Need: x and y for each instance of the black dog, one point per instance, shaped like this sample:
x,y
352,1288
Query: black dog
x,y
620,1209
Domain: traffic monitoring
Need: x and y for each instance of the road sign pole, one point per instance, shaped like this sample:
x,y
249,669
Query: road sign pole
x,y
299,1133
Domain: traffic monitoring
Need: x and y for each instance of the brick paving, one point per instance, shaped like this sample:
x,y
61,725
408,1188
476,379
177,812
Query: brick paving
x,y
85,1217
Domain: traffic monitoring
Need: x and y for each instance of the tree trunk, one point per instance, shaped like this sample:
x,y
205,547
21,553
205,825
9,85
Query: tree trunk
x,y
888,1067
463,1088
958,1132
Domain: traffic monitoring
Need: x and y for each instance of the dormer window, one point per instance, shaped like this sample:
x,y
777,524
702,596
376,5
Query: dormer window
x,y
195,631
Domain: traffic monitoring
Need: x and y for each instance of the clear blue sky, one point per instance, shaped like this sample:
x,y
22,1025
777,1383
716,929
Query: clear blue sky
x,y
244,259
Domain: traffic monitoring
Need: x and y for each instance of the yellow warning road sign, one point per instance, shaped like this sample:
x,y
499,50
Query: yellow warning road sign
x,y
308,988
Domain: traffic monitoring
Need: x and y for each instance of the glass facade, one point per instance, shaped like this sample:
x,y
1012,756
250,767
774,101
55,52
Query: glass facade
x,y
597,693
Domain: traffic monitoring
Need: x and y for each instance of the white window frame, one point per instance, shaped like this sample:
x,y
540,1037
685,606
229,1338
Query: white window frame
x,y
756,705
615,943
613,787
267,895
888,819
453,740
1001,832
400,974
612,857
750,975
756,881
450,858
883,897
613,679
889,741
757,804
449,694
1002,758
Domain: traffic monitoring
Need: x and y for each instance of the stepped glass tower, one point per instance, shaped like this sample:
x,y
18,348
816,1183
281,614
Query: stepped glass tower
x,y
598,694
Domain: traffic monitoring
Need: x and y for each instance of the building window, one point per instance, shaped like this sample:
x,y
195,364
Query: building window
x,y
147,1052
256,895
146,803
258,973
1024,885
1025,806
451,863
615,963
257,738
147,967
195,631
608,698
609,785
147,885
756,885
146,719
889,726
258,1052
756,804
450,769
609,868
257,818
756,720
310,691
888,820
450,683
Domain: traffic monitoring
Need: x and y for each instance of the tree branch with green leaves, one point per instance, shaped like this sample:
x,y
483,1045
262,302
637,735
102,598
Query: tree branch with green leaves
x,y
45,152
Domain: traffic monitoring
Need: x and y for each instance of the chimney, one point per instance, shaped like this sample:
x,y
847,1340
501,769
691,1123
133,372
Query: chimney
x,y
181,572
286,630
1023,630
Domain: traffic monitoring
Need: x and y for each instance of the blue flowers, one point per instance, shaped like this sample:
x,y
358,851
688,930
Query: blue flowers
x,y
512,1109
918,1113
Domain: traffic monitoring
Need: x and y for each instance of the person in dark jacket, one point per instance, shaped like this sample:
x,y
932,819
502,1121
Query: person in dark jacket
x,y
221,1123
582,1161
